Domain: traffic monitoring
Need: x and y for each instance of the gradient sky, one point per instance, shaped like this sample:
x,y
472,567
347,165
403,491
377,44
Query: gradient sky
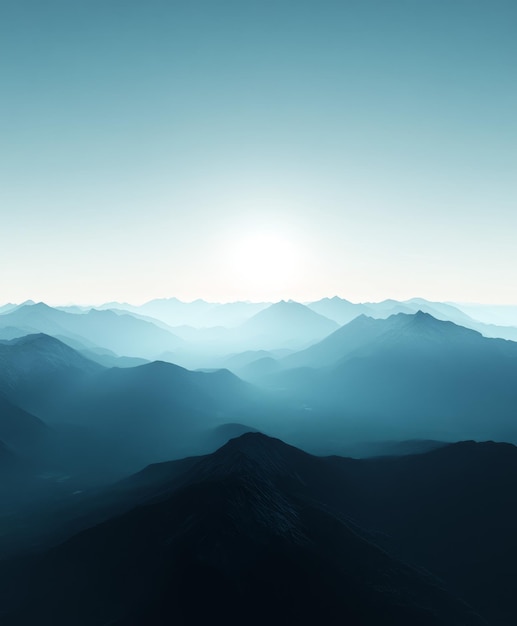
x,y
258,149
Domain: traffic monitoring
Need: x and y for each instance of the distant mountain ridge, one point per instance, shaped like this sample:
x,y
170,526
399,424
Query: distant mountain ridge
x,y
408,374
208,332
123,334
365,331
135,414
285,324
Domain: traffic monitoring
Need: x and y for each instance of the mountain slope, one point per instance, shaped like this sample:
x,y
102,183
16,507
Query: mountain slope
x,y
243,532
337,309
118,419
366,334
153,412
285,324
18,428
199,313
123,334
37,370
344,312
409,376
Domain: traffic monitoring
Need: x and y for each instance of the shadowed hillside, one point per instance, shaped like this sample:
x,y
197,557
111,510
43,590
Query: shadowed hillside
x,y
244,528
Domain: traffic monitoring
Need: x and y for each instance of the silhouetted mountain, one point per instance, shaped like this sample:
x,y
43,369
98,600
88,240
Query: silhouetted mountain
x,y
255,363
247,530
36,371
346,340
11,332
106,358
343,312
197,314
123,334
447,312
453,511
102,356
171,310
386,308
7,307
365,333
151,412
440,310
232,314
117,419
337,309
285,324
409,376
238,361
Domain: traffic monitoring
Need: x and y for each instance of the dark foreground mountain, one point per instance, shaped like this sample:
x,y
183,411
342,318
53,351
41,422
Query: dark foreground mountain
x,y
262,532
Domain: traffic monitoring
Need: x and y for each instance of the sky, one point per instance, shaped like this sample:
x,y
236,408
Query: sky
x,y
258,150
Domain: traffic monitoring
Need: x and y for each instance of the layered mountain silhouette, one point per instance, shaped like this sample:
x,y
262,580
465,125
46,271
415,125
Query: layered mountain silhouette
x,y
364,334
259,531
114,417
123,334
36,371
404,377
343,312
408,373
491,321
199,313
208,333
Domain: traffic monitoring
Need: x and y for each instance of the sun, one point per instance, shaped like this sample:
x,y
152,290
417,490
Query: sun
x,y
264,260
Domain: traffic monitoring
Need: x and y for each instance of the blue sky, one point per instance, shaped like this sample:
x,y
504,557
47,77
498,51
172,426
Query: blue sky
x,y
258,150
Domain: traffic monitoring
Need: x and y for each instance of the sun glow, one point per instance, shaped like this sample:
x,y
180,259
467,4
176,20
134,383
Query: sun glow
x,y
264,260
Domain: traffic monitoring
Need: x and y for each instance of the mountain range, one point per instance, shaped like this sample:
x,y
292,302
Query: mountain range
x,y
409,376
416,529
121,335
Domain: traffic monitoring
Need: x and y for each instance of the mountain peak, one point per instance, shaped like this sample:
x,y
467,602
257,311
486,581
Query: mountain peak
x,y
252,454
36,306
286,322
39,338
53,351
285,304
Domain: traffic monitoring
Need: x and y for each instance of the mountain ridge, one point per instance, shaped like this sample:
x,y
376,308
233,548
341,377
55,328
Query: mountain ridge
x,y
240,540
